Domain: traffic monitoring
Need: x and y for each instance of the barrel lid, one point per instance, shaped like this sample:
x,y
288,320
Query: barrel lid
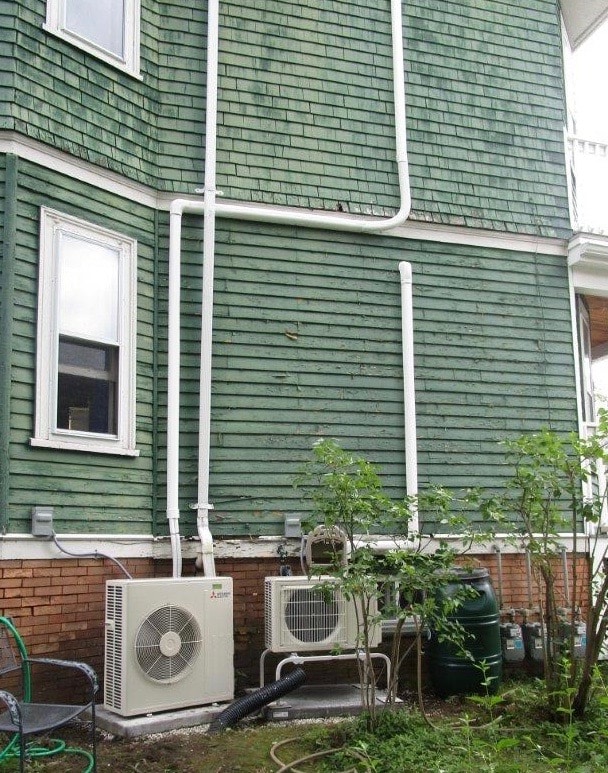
x,y
471,574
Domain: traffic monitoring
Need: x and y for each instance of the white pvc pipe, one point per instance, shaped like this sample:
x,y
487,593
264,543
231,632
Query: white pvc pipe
x,y
206,560
173,389
409,389
211,209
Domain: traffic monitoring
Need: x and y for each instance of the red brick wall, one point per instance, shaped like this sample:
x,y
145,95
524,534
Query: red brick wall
x,y
58,605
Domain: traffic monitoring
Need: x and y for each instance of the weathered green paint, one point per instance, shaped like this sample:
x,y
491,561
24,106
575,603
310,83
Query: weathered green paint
x,y
307,336
7,284
305,105
94,492
307,345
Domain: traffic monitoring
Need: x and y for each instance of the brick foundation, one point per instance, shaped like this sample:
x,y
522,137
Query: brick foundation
x,y
58,605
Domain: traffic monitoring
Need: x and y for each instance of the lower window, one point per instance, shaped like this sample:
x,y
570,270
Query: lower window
x,y
85,395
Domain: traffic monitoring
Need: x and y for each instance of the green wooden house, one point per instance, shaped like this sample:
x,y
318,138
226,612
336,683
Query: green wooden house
x,y
229,230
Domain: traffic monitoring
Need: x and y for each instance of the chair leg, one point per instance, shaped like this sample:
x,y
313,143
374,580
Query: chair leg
x,y
93,737
21,752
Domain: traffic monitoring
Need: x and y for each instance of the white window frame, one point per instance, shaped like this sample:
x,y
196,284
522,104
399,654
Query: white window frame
x,y
56,25
53,225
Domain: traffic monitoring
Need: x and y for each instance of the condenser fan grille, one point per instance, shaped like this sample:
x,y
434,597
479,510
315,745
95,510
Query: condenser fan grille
x,y
311,615
167,643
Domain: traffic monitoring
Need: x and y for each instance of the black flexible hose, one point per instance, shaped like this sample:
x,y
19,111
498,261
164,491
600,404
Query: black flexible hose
x,y
255,700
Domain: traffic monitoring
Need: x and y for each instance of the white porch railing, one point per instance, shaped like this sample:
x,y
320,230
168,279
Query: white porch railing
x,y
588,184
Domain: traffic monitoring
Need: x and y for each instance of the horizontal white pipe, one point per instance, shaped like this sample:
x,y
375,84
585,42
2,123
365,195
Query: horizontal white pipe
x,y
210,208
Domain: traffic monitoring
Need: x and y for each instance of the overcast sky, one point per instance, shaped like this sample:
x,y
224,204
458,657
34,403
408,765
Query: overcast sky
x,y
590,78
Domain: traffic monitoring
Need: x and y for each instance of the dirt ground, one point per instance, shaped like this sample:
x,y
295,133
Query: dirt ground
x,y
193,750
244,748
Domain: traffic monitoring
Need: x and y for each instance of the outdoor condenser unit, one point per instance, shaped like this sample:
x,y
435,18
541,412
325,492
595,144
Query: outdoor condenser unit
x,y
303,616
168,644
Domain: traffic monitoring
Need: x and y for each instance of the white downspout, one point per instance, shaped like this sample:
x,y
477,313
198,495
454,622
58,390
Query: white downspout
x,y
409,414
206,561
173,389
211,209
409,389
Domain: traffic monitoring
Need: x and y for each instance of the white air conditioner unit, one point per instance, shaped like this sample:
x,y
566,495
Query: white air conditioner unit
x,y
300,615
168,644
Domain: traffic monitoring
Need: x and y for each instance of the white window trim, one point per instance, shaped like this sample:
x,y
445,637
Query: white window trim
x,y
130,63
588,264
52,225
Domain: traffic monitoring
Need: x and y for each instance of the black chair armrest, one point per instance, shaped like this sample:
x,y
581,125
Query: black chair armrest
x,y
82,667
12,705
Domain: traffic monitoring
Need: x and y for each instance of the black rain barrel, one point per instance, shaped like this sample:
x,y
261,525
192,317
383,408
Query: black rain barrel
x,y
452,673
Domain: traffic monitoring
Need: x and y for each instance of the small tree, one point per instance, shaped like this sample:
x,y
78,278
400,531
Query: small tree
x,y
348,496
556,490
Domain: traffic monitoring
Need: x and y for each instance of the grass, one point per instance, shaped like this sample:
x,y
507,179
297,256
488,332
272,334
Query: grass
x,y
509,736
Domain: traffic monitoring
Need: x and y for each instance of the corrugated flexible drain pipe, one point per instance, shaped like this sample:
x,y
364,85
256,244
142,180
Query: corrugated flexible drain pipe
x,y
255,700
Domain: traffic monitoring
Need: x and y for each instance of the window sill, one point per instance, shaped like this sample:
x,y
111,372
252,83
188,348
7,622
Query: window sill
x,y
93,447
93,50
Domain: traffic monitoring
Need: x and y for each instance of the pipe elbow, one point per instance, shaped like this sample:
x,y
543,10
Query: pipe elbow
x,y
177,207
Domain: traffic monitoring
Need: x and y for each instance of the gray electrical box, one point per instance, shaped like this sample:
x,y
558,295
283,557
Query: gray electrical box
x,y
42,522
575,634
534,642
511,639
293,526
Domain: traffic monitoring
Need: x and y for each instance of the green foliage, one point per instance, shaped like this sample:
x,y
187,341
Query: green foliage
x,y
523,740
557,488
404,582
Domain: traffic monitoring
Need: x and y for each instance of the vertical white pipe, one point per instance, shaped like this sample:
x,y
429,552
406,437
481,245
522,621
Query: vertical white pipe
x,y
173,388
203,506
409,390
211,209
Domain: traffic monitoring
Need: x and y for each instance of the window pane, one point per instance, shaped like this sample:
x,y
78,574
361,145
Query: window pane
x,y
88,289
99,21
87,387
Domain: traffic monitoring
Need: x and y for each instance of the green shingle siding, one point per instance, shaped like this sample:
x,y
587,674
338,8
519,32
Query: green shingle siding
x,y
92,491
307,329
305,106
485,86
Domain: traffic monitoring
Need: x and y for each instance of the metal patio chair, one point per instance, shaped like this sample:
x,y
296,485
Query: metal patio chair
x,y
22,717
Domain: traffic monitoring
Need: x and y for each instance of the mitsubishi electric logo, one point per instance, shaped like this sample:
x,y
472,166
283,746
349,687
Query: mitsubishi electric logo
x,y
218,593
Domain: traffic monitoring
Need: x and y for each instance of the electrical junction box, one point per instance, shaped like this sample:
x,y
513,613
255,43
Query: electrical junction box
x,y
42,522
512,643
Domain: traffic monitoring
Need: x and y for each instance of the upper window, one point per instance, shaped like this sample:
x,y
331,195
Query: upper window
x,y
85,392
108,29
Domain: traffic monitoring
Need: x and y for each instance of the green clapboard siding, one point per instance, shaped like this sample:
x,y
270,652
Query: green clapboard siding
x,y
91,492
306,106
307,344
307,328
